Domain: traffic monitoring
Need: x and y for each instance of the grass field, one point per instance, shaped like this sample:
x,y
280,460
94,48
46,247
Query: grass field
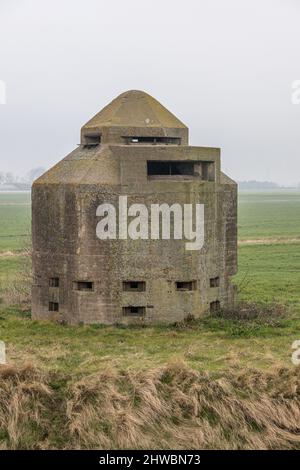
x,y
210,344
157,375
269,215
15,220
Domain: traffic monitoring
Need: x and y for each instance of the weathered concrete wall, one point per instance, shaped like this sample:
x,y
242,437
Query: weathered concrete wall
x,y
66,246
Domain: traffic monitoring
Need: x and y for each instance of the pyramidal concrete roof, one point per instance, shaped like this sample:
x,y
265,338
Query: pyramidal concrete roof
x,y
135,108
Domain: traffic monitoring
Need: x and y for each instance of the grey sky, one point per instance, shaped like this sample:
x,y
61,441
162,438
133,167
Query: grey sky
x,y
224,67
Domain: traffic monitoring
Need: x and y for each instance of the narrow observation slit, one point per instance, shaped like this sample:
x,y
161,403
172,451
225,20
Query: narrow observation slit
x,y
214,306
54,282
214,282
134,286
53,306
204,171
186,285
134,311
170,168
84,285
152,140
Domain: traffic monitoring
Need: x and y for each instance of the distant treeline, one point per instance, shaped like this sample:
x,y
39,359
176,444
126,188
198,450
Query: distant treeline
x,y
248,185
11,182
15,187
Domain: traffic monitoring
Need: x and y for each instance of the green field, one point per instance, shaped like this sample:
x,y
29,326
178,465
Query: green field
x,y
269,247
269,215
15,220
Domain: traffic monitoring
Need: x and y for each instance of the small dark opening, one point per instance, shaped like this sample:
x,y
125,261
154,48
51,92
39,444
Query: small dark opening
x,y
183,285
204,171
158,168
182,168
170,168
92,140
134,311
214,282
152,140
138,286
84,285
214,306
54,282
53,306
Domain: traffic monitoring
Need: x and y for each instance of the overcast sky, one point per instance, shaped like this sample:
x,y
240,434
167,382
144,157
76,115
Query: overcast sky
x,y
224,67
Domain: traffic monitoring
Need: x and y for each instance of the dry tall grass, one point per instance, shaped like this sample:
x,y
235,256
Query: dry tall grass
x,y
22,396
168,407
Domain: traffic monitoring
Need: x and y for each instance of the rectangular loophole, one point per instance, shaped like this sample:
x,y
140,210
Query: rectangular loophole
x,y
53,306
157,168
134,286
214,282
134,311
92,140
186,285
54,282
214,306
152,140
84,285
202,170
